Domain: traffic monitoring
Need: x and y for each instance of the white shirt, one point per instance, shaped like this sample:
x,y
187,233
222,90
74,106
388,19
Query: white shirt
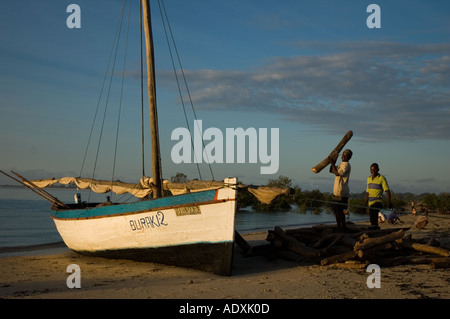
x,y
341,182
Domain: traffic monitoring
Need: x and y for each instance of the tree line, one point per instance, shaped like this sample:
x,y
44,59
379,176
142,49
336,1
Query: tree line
x,y
317,201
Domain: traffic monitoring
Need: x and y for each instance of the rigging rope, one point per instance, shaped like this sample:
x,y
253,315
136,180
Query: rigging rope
x,y
121,95
114,46
101,90
107,96
165,19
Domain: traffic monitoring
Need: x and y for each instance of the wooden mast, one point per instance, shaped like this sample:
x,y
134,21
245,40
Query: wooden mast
x,y
156,155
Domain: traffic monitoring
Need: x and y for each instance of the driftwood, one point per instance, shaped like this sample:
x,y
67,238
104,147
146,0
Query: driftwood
x,y
334,154
353,249
351,264
296,246
241,243
373,242
427,248
342,238
367,254
440,263
338,258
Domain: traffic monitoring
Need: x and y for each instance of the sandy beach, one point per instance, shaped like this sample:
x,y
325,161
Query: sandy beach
x,y
44,275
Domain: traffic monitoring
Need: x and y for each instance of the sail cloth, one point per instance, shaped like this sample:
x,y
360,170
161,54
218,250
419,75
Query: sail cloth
x,y
98,186
266,194
142,189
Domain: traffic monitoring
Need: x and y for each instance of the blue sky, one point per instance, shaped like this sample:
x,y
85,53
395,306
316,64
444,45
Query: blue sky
x,y
312,69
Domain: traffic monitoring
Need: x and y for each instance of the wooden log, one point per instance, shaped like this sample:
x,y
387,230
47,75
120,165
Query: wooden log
x,y
324,239
369,243
308,231
334,154
351,264
324,251
241,243
338,258
348,241
372,258
344,239
426,248
336,250
277,243
295,245
376,232
437,263
271,235
433,242
304,235
364,253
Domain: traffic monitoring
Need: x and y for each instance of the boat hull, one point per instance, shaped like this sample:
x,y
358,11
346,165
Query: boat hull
x,y
216,258
192,230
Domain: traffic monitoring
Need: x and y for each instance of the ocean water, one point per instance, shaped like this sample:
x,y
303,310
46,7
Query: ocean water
x,y
25,217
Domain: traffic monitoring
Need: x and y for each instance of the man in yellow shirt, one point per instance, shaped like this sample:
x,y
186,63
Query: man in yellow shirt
x,y
376,184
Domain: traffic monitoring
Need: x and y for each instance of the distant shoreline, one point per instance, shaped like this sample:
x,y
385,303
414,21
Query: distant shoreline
x,y
53,186
9,249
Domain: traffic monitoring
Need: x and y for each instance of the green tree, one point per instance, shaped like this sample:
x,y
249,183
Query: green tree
x,y
179,178
281,202
281,181
245,198
439,202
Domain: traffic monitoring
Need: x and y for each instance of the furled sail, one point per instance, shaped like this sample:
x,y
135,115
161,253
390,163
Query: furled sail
x,y
142,189
98,186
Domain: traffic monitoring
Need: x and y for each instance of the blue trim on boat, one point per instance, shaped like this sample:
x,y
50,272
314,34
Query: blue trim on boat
x,y
128,208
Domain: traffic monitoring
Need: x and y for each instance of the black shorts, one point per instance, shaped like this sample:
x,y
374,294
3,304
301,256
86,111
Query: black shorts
x,y
340,203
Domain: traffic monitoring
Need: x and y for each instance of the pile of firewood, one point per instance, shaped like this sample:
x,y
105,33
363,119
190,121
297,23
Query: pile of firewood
x,y
356,248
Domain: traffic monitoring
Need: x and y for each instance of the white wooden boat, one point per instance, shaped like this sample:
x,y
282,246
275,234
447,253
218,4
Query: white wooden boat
x,y
193,230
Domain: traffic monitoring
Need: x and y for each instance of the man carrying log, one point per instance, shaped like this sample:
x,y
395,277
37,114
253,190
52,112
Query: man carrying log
x,y
341,190
376,184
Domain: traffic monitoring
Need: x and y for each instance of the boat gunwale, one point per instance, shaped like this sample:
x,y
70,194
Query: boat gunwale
x,y
151,209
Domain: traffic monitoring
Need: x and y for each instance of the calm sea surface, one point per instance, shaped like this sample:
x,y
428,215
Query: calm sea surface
x,y
25,217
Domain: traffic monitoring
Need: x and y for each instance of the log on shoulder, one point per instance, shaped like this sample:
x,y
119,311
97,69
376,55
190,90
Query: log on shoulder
x,y
334,154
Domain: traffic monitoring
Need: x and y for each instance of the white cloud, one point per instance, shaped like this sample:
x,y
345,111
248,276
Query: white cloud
x,y
382,90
